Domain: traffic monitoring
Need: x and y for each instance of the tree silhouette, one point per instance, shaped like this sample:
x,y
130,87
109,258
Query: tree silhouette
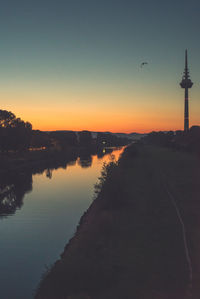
x,y
6,118
64,138
15,134
108,139
40,139
85,138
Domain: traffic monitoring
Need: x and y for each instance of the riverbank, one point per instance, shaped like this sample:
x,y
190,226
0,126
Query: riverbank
x,y
29,159
17,169
48,158
131,243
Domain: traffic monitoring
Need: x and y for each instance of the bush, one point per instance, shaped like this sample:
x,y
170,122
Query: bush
x,y
106,172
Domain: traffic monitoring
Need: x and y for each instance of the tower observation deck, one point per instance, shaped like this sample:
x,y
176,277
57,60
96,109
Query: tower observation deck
x,y
186,83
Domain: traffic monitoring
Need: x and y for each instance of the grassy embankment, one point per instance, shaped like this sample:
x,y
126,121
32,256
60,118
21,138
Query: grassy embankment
x,y
130,242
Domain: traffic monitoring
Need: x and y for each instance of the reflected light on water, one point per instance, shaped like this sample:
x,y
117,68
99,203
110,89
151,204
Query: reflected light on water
x,y
38,216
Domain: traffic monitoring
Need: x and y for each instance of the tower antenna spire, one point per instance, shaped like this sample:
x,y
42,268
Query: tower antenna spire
x,y
186,65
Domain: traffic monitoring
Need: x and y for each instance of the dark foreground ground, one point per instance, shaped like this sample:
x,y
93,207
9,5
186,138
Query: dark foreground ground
x,y
141,236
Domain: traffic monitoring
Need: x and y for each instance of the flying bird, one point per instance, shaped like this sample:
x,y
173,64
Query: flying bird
x,y
143,63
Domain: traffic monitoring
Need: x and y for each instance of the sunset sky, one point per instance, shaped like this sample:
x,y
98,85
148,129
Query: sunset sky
x,y
75,65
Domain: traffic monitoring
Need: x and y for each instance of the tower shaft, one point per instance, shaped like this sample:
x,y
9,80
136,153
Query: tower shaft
x,y
186,113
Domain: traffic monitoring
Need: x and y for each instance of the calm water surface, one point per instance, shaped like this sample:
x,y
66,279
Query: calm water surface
x,y
38,215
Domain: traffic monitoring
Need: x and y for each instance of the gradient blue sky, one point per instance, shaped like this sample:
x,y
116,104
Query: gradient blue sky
x,y
76,64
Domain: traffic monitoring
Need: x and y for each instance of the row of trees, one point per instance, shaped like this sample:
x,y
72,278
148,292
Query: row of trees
x,y
108,139
17,135
63,139
189,141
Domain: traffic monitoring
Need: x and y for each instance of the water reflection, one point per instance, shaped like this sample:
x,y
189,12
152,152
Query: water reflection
x,y
13,186
12,190
85,161
34,234
48,173
105,151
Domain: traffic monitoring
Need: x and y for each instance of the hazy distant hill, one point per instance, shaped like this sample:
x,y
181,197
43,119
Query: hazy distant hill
x,y
133,136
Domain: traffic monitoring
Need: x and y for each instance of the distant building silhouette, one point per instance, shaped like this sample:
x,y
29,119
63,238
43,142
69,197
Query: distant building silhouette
x,y
186,83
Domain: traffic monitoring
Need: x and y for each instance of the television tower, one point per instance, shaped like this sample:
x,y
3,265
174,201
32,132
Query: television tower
x,y
186,83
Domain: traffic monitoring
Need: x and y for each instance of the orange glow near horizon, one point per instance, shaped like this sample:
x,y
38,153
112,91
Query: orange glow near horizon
x,y
102,121
50,119
115,121
95,111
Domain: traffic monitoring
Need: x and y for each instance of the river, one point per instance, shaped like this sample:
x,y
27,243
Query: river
x,y
38,215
